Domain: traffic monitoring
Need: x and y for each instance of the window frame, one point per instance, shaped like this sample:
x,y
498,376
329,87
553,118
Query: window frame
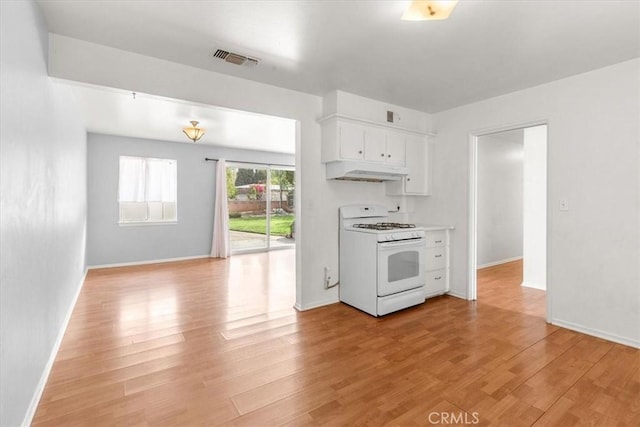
x,y
147,222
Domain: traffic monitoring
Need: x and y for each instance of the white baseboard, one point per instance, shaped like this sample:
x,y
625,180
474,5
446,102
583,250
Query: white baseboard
x,y
152,261
597,333
457,295
316,304
502,261
533,285
37,395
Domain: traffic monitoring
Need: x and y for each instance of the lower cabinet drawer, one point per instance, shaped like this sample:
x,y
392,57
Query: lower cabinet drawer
x,y
398,301
435,283
436,258
435,238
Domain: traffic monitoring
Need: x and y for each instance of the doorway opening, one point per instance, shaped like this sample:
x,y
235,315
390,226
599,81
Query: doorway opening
x,y
261,207
508,221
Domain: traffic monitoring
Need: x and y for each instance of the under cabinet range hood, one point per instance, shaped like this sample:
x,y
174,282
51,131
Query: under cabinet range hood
x,y
364,171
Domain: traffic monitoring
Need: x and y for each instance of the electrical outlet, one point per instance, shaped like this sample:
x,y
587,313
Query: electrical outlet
x,y
327,277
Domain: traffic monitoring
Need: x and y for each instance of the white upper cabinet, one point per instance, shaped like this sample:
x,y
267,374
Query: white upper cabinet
x,y
350,143
374,145
416,183
396,148
386,142
346,140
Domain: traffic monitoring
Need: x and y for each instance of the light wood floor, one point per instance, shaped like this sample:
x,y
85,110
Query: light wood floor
x,y
499,286
211,342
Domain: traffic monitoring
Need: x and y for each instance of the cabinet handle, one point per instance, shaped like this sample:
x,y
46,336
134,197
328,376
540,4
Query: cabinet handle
x,y
389,155
437,278
360,152
438,241
382,154
408,179
439,256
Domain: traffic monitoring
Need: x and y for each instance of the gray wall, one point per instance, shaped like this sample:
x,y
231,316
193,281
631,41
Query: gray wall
x,y
500,199
42,209
108,243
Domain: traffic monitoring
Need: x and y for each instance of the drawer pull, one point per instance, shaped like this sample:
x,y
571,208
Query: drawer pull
x,y
359,151
439,256
438,241
437,278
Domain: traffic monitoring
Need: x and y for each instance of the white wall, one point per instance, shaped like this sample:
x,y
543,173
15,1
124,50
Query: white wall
x,y
348,104
534,273
108,243
317,225
593,161
500,200
42,210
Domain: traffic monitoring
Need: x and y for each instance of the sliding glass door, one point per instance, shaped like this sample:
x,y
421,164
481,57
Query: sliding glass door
x,y
260,200
281,216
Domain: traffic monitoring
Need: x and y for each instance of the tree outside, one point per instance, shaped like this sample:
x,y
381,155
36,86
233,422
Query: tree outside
x,y
232,191
250,176
284,180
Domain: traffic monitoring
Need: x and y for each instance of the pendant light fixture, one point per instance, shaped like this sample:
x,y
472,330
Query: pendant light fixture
x,y
194,133
426,10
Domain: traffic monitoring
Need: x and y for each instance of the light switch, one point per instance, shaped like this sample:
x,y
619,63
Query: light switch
x,y
564,204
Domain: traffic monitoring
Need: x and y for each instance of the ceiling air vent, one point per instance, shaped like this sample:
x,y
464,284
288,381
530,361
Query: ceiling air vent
x,y
235,58
222,54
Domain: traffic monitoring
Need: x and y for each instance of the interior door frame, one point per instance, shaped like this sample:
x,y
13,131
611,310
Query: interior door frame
x,y
472,290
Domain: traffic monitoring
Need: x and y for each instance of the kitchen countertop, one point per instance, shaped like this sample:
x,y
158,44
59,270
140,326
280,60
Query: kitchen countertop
x,y
435,227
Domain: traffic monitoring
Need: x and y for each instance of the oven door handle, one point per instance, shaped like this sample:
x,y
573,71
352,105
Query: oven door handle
x,y
402,244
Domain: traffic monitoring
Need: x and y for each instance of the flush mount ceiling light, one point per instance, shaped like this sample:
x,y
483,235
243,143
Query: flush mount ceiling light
x,y
426,10
194,133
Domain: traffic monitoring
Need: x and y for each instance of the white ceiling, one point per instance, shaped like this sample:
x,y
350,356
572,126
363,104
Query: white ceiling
x,y
117,112
486,48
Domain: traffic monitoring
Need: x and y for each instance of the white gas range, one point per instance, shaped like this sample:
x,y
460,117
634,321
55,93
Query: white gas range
x,y
381,263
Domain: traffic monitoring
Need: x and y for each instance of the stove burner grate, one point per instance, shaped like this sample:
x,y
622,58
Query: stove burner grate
x,y
384,226
397,225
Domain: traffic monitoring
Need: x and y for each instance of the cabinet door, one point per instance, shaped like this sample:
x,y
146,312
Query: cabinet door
x,y
417,162
436,258
435,283
374,145
351,141
395,148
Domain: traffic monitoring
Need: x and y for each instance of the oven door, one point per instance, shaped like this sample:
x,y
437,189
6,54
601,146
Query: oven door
x,y
400,266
